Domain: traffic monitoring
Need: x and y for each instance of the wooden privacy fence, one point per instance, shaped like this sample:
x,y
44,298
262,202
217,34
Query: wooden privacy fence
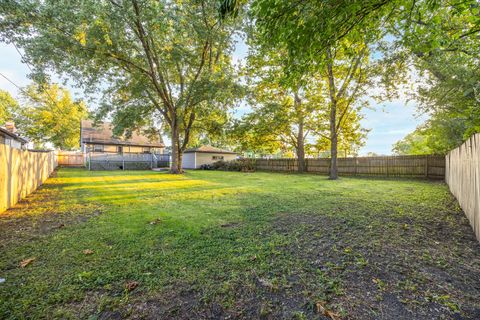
x,y
71,159
22,172
428,166
463,178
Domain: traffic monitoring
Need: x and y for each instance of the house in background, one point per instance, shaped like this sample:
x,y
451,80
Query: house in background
x,y
9,137
100,138
195,157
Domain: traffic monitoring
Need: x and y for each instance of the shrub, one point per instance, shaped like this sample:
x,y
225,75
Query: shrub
x,y
247,164
234,165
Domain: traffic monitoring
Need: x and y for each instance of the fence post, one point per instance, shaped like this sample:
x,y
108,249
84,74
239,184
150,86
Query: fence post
x,y
426,166
387,160
123,162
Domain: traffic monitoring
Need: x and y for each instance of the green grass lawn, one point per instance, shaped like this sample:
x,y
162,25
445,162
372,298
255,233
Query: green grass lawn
x,y
239,245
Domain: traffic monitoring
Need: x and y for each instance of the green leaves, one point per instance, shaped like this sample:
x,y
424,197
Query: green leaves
x,y
307,28
51,115
8,107
48,114
439,37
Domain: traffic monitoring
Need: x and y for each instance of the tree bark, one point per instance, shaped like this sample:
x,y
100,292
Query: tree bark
x,y
179,159
333,154
176,166
300,136
301,148
333,118
333,141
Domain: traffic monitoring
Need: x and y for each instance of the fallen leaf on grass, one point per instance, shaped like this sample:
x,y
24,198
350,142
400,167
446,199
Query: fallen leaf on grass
x,y
323,310
156,221
87,251
266,283
230,225
131,285
26,262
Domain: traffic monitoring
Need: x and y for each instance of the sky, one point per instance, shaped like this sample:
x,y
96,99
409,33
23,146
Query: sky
x,y
388,122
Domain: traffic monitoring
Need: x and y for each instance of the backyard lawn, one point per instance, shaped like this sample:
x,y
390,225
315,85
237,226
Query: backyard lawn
x,y
150,245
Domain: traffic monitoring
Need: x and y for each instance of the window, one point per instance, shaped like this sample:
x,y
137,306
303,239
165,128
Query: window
x,y
97,148
146,150
217,157
119,149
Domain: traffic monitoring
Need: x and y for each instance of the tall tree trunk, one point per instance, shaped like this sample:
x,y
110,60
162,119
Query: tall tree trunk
x,y
179,160
333,148
300,136
176,166
333,118
301,148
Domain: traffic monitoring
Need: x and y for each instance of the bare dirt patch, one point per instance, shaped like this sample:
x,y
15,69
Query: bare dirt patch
x,y
393,270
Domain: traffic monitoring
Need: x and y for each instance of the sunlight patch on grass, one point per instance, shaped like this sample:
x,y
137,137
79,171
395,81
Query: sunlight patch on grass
x,y
211,194
99,176
139,185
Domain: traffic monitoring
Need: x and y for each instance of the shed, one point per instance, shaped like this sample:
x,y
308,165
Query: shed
x,y
195,157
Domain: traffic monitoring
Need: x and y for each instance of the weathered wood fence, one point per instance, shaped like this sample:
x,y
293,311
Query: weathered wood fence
x,y
463,178
71,159
22,172
427,166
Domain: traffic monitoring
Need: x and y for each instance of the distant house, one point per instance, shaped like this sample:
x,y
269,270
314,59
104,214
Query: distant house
x,y
100,138
9,137
195,157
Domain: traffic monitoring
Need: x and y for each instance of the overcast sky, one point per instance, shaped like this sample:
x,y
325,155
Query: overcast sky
x,y
388,122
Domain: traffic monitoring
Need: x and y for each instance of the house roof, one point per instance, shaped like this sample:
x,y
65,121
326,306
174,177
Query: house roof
x,y
103,134
12,135
208,149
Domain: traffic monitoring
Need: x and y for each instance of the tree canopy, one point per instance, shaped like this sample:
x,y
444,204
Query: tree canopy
x,y
438,38
45,114
169,59
8,107
50,115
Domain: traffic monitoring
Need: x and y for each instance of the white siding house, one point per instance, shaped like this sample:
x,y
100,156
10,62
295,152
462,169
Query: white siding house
x,y
194,158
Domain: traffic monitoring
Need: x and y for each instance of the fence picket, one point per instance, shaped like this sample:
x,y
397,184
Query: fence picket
x,y
71,159
431,166
462,174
